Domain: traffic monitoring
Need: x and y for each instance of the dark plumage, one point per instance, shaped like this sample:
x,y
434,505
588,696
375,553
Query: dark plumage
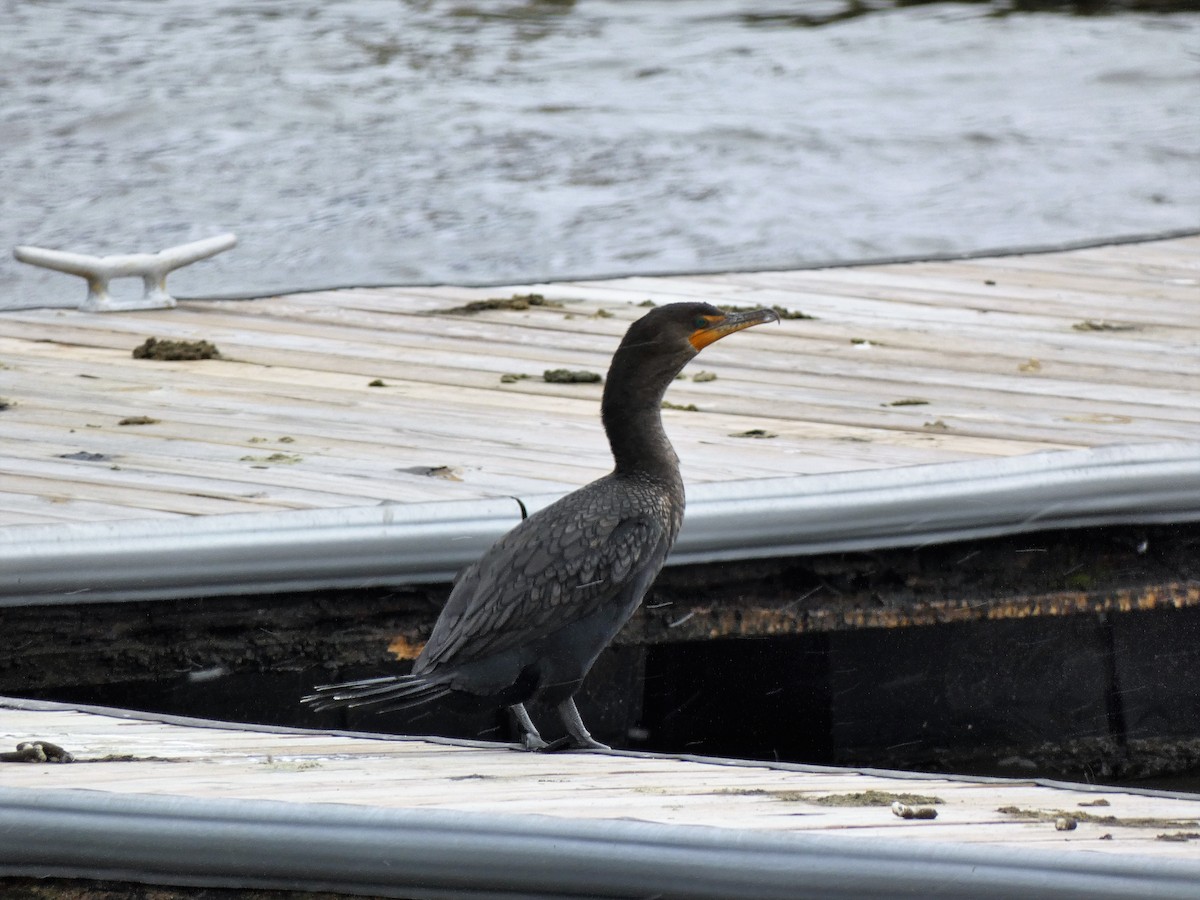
x,y
531,616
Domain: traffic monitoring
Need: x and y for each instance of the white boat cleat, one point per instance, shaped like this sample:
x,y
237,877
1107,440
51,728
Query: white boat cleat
x,y
152,268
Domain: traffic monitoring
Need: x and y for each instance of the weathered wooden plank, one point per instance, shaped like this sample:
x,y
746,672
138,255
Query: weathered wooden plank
x,y
140,495
21,506
850,364
1079,355
365,454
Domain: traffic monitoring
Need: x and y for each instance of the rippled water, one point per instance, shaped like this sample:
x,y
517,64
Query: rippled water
x,y
375,141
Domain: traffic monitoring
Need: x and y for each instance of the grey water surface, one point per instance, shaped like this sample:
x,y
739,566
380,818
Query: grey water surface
x,y
380,141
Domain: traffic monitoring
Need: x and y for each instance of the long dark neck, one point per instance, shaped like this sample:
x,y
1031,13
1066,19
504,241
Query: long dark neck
x,y
632,413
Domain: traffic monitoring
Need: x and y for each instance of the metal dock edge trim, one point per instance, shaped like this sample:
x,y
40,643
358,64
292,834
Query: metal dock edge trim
x,y
442,853
429,542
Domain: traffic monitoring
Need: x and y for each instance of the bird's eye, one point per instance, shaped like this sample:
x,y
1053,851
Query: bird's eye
x,y
700,322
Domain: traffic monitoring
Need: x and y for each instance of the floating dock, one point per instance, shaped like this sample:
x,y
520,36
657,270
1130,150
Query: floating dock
x,y
387,436
204,803
346,398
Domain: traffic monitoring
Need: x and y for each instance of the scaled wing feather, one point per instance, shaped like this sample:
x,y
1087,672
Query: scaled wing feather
x,y
519,586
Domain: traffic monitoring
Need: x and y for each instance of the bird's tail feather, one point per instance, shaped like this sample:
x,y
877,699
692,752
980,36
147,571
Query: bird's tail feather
x,y
377,694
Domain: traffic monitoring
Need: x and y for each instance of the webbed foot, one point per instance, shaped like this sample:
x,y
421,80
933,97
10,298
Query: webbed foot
x,y
577,737
530,739
534,742
567,743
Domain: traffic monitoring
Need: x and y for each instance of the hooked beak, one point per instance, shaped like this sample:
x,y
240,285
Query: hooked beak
x,y
719,326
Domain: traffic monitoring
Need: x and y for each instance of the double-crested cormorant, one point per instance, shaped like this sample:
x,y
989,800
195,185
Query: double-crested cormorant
x,y
530,617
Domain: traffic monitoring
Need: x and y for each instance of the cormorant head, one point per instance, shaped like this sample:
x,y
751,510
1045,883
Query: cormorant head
x,y
687,328
655,348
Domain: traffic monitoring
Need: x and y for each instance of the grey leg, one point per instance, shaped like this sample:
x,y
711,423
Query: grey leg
x,y
530,739
580,739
